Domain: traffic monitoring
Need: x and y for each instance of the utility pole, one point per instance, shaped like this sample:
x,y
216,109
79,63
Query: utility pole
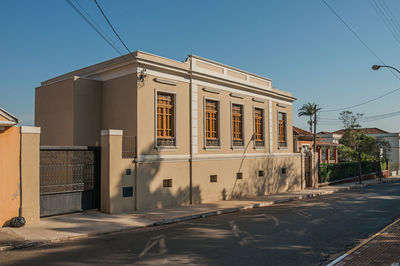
x,y
315,147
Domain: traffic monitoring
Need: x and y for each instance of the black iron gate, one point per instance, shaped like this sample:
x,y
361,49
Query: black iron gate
x,y
69,179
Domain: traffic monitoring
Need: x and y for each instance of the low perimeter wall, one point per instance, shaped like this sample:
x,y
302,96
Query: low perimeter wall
x,y
19,174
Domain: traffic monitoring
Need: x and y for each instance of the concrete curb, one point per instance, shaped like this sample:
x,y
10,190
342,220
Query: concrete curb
x,y
262,204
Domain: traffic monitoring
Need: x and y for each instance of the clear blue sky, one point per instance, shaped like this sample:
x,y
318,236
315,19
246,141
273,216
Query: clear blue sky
x,y
300,45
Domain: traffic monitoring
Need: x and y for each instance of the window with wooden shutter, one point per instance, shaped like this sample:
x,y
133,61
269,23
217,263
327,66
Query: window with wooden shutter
x,y
259,127
282,129
165,119
237,125
212,123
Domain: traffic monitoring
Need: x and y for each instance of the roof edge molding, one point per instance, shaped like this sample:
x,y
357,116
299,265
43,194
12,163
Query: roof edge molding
x,y
194,67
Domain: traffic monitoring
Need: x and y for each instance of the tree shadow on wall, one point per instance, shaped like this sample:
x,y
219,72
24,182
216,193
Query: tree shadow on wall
x,y
153,191
277,176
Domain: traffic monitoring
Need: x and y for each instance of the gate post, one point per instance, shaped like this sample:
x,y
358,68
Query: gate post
x,y
111,178
29,174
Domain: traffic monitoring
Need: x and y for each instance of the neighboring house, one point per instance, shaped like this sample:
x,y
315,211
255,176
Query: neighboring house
x,y
202,131
9,166
326,150
392,138
19,170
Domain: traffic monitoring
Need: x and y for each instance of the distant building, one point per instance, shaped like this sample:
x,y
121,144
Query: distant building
x,y
392,138
326,149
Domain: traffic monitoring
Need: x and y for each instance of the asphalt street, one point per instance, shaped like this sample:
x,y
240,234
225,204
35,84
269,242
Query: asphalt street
x,y
307,232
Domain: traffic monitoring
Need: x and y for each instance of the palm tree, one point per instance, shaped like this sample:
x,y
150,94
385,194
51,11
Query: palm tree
x,y
311,110
308,110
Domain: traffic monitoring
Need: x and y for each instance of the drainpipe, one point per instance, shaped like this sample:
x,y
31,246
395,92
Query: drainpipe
x,y
20,174
190,136
136,168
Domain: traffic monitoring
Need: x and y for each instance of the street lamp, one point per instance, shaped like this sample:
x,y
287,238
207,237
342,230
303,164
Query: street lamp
x,y
377,67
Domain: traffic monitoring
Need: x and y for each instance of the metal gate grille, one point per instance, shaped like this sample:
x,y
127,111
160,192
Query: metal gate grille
x,y
69,174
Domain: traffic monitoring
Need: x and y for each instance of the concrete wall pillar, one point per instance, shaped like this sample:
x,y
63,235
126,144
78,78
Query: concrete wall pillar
x,y
114,177
9,174
30,179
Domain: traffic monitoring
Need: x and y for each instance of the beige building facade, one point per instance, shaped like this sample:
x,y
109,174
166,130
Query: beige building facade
x,y
192,132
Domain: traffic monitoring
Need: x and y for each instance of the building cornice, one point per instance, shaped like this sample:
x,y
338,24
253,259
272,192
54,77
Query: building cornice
x,y
229,67
184,69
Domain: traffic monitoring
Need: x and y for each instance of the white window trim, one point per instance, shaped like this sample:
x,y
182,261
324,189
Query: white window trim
x,y
286,129
263,129
243,127
156,91
204,124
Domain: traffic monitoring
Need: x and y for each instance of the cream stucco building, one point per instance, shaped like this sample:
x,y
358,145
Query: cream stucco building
x,y
172,132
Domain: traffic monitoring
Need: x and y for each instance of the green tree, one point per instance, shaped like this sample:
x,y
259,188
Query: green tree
x,y
358,146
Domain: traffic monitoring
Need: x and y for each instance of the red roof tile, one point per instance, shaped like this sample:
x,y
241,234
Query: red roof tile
x,y
299,131
368,130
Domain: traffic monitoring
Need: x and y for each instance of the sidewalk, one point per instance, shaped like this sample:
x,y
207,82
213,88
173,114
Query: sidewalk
x,y
383,248
91,223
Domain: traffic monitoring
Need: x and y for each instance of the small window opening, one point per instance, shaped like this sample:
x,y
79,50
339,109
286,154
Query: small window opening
x,y
167,183
239,175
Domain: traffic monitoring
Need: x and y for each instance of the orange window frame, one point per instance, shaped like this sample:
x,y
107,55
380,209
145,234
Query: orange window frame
x,y
165,115
212,123
258,124
237,122
282,127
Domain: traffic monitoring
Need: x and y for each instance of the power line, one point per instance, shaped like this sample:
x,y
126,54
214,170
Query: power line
x,y
367,119
363,103
379,11
391,15
93,27
115,32
370,50
98,26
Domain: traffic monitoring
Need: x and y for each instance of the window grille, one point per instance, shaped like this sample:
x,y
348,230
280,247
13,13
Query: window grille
x,y
282,129
128,146
237,125
212,123
259,127
165,119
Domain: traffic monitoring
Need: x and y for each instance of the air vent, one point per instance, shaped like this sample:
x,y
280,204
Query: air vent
x,y
167,183
239,175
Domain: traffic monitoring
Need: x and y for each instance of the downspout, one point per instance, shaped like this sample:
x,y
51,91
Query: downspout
x,y
20,173
136,165
190,137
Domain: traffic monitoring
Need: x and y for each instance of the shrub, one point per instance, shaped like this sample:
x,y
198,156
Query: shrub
x,y
334,172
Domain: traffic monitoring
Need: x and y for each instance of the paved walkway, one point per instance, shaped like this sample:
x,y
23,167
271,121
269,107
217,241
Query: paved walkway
x,y
383,248
90,223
